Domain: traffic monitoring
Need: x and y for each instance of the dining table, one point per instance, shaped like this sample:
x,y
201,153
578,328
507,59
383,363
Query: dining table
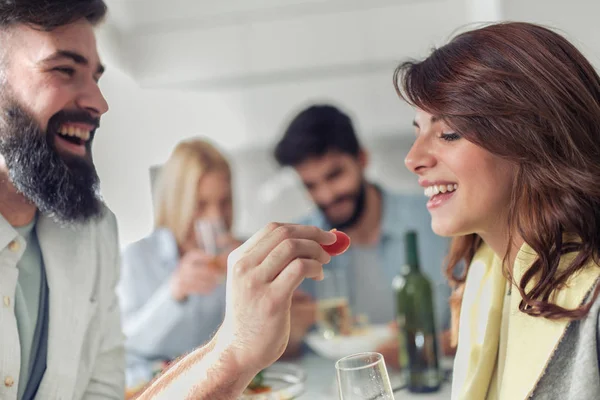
x,y
320,379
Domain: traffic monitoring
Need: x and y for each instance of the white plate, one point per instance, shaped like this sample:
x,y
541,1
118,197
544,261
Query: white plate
x,y
342,346
286,381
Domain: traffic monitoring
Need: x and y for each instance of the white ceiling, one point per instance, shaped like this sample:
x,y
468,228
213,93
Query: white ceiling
x,y
208,44
150,16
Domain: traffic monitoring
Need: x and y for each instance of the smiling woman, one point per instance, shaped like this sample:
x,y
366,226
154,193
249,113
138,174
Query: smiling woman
x,y
508,115
462,199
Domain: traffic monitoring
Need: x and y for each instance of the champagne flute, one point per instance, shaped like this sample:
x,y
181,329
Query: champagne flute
x,y
363,376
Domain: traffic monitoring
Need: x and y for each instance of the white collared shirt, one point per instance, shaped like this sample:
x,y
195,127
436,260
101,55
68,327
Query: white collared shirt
x,y
12,248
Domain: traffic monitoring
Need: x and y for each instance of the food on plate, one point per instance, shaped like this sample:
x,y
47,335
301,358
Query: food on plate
x,y
340,245
257,385
132,392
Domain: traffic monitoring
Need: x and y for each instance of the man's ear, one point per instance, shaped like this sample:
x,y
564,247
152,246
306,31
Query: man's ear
x,y
363,159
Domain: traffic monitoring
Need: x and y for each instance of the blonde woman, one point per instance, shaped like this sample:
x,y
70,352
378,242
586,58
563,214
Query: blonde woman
x,y
171,291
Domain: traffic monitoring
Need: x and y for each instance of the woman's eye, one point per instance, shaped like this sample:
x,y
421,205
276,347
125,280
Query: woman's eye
x,y
450,136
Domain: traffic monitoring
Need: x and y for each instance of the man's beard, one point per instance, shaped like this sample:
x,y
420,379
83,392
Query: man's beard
x,y
62,186
359,199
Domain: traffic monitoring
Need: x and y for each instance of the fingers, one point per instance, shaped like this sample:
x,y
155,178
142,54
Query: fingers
x,y
286,252
201,286
202,274
275,234
254,239
289,279
196,279
234,256
197,257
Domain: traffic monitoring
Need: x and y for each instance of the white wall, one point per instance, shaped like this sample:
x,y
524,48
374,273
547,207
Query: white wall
x,y
575,19
484,10
143,125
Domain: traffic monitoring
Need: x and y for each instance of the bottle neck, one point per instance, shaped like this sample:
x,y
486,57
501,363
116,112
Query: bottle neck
x,y
412,253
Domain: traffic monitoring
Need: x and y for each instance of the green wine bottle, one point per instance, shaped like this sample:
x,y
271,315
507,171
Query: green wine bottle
x,y
416,323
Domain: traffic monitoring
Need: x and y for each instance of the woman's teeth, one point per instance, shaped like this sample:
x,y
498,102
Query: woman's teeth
x,y
431,191
67,130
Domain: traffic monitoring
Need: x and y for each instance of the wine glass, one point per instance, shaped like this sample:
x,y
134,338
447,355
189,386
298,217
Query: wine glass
x,y
334,316
363,376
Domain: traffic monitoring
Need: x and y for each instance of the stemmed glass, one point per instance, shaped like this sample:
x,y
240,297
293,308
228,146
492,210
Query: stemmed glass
x,y
363,376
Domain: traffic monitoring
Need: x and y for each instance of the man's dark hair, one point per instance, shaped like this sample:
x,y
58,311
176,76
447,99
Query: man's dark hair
x,y
50,14
315,131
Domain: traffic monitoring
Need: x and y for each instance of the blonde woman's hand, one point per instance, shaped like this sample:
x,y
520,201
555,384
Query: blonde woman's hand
x,y
197,273
221,259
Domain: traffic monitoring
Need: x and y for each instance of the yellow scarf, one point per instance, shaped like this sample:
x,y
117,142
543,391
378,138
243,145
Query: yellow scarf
x,y
531,341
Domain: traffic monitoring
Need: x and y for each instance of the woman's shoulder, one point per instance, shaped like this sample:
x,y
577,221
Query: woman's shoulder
x,y
159,243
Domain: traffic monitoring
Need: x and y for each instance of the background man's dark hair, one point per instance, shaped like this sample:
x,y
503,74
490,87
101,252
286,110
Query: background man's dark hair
x,y
315,131
50,14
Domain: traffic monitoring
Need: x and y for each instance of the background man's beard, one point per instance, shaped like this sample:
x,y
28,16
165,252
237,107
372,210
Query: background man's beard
x,y
64,187
359,199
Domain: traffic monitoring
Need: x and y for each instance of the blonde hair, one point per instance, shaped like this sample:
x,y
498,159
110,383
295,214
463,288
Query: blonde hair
x,y
177,184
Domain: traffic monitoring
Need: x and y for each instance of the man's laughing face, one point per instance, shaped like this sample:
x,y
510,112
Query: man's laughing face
x,y
50,107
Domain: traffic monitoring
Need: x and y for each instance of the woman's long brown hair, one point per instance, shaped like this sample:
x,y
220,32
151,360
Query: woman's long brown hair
x,y
526,94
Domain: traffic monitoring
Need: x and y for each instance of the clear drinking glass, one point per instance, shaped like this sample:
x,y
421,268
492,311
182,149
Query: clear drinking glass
x,y
334,316
213,238
363,376
211,235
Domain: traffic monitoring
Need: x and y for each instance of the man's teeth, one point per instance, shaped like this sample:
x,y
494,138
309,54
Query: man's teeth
x,y
431,191
68,130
